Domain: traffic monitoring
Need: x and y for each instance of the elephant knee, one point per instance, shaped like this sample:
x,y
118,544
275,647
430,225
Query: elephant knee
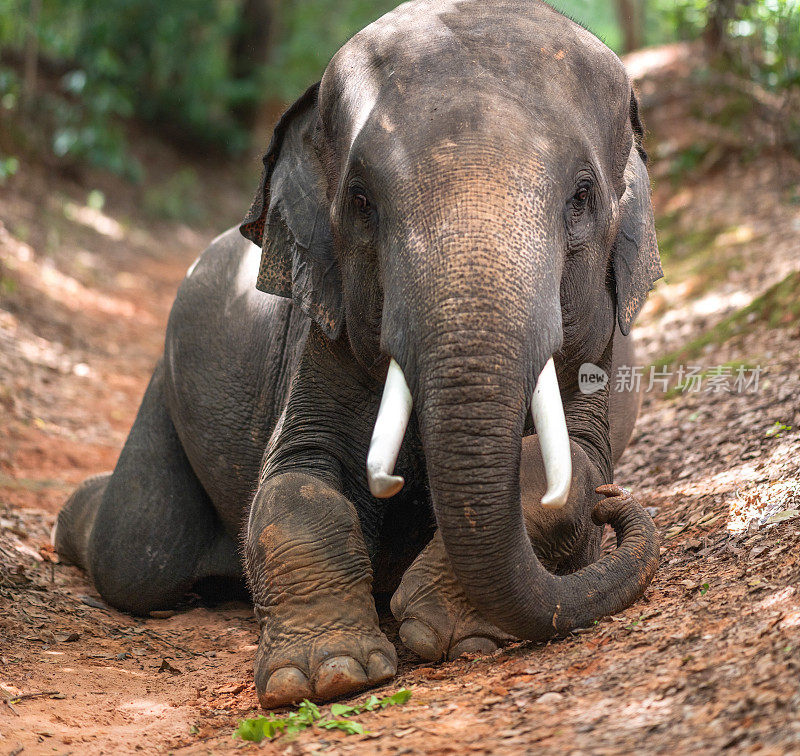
x,y
134,582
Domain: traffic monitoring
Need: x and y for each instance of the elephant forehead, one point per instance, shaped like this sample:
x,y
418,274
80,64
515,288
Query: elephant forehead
x,y
522,49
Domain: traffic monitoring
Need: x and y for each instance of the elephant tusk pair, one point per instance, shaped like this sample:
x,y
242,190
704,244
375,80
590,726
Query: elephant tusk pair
x,y
395,411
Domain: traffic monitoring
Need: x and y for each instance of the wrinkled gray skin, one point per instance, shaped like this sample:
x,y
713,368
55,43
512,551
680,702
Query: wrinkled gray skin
x,y
464,192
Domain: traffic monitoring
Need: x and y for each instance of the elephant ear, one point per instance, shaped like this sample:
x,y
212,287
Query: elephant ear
x,y
289,220
637,265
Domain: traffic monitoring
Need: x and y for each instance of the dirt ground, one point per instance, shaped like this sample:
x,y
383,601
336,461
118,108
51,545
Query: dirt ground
x,y
708,660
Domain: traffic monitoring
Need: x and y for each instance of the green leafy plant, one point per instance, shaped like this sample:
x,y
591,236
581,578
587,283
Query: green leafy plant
x,y
308,715
755,52
87,123
8,167
777,430
372,703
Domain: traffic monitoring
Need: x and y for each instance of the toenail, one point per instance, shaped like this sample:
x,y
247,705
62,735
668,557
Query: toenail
x,y
421,639
380,668
286,685
338,676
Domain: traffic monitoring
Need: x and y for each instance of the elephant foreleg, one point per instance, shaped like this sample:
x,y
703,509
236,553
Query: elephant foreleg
x,y
311,580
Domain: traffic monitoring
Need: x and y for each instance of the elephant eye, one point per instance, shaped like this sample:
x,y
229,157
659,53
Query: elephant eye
x,y
581,196
361,202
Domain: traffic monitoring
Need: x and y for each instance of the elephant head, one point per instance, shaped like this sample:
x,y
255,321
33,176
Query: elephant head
x,y
465,194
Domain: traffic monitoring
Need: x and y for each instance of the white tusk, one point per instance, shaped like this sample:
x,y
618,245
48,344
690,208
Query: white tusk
x,y
551,427
387,437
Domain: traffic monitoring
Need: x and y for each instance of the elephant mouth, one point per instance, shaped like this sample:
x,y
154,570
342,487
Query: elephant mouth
x,y
548,419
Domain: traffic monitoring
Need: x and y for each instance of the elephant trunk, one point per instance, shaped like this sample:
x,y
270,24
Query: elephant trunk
x,y
471,420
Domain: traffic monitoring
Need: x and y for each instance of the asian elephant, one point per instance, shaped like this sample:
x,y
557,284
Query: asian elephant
x,y
448,225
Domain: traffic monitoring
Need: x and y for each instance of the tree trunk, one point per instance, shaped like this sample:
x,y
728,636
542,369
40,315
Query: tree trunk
x,y
250,50
31,54
629,13
715,35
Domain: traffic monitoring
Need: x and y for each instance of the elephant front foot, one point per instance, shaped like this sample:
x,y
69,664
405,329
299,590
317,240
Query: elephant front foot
x,y
436,620
322,666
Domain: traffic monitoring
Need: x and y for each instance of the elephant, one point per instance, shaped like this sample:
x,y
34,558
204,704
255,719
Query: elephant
x,y
370,388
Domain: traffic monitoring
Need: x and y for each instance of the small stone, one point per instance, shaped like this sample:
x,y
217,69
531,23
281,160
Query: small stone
x,y
162,613
66,638
549,698
167,667
492,700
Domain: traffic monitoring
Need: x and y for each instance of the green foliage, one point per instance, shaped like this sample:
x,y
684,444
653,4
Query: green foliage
x,y
9,165
169,63
77,127
351,728
309,33
756,40
9,89
762,36
769,37
87,124
258,728
670,20
169,60
598,16
165,62
308,715
687,160
777,430
8,285
178,198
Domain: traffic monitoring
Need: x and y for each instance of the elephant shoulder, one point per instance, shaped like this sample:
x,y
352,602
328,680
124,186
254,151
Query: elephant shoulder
x,y
229,354
218,296
220,322
229,259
